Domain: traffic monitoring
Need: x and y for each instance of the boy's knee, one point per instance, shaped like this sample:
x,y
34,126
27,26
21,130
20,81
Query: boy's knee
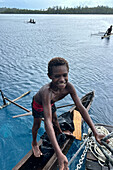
x,y
54,119
36,127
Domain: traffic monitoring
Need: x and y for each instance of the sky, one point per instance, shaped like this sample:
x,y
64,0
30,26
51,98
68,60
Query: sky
x,y
44,4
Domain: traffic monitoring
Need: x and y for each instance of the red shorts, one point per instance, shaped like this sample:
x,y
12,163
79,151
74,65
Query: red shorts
x,y
37,109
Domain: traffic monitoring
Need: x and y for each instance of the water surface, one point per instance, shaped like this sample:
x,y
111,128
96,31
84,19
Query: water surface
x,y
25,50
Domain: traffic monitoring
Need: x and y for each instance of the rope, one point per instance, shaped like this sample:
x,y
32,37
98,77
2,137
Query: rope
x,y
96,150
102,154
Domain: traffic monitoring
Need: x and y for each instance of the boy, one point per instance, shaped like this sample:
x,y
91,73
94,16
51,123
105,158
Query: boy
x,y
43,106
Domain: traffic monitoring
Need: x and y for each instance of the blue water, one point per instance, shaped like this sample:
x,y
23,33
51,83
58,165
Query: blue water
x,y
25,50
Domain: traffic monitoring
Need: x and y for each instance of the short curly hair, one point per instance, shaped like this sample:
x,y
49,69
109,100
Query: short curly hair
x,y
57,61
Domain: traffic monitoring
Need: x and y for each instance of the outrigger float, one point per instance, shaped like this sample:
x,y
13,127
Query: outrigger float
x,y
96,157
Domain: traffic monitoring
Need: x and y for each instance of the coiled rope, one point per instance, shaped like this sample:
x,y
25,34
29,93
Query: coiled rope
x,y
95,149
99,151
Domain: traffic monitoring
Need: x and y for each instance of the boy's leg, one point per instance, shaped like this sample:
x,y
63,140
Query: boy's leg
x,y
35,147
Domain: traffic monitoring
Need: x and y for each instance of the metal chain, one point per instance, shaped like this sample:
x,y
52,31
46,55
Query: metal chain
x,y
82,156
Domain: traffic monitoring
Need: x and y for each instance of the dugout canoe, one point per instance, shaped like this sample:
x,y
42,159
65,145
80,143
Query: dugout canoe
x,y
31,21
106,36
49,160
92,161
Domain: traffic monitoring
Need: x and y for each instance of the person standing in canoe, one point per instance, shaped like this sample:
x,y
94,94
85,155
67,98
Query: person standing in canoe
x,y
43,105
108,32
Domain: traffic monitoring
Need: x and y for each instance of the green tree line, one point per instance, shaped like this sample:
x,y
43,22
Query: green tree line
x,y
60,10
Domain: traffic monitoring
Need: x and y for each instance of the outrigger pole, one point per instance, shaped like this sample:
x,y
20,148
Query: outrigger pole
x,y
17,104
30,113
3,97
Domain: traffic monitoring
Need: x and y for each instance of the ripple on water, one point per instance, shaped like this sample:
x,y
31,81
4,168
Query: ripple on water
x,y
24,54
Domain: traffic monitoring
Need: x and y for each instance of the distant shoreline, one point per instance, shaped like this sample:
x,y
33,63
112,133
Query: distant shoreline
x,y
59,10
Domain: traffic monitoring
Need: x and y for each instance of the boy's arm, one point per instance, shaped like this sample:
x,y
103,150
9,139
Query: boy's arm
x,y
84,113
49,128
63,162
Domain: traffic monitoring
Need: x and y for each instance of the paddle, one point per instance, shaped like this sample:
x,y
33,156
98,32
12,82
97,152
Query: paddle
x,y
30,113
77,120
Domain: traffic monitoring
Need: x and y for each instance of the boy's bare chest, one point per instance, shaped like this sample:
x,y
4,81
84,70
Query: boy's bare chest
x,y
58,95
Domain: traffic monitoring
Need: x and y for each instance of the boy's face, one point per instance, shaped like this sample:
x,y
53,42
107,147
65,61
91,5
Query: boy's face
x,y
59,76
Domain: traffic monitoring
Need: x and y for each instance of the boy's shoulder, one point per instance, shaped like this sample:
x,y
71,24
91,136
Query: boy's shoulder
x,y
69,84
70,87
45,88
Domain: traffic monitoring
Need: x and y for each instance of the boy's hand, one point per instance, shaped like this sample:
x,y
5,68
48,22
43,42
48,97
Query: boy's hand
x,y
99,137
67,132
63,162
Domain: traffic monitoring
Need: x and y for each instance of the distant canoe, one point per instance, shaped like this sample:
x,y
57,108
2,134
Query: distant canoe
x,y
32,21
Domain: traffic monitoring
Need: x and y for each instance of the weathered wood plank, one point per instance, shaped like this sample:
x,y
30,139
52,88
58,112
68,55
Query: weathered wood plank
x,y
77,120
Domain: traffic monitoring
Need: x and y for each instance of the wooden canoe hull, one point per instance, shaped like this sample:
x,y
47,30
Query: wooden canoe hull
x,y
106,36
31,162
